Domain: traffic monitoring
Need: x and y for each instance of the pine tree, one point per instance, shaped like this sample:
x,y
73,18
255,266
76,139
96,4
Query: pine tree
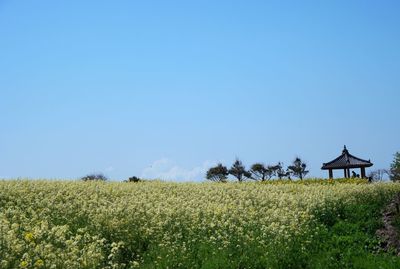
x,y
239,171
298,168
395,168
218,173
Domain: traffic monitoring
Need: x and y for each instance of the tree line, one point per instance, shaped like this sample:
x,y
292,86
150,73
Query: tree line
x,y
257,171
262,172
393,173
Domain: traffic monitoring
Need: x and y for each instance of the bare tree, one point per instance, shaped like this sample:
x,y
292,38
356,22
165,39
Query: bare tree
x,y
379,174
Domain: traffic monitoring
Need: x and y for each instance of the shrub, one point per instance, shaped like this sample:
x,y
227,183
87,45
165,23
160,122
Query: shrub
x,y
94,177
133,179
395,168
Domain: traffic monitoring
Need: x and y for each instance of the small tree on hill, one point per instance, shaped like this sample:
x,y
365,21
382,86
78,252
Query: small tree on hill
x,y
133,179
395,168
378,175
94,177
280,172
239,171
260,172
218,173
274,169
298,168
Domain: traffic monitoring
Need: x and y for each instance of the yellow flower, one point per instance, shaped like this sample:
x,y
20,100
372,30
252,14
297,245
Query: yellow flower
x,y
29,237
23,264
39,263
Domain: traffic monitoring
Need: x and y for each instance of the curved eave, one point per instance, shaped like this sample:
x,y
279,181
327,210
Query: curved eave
x,y
351,166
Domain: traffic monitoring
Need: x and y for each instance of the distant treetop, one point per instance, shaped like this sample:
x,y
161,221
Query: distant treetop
x,y
94,177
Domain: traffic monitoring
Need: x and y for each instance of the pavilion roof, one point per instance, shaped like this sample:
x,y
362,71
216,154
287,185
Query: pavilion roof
x,y
346,160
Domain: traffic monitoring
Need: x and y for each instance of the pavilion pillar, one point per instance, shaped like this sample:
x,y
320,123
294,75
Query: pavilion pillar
x,y
345,173
363,172
330,174
348,173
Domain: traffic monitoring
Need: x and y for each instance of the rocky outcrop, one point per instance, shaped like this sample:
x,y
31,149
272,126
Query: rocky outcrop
x,y
389,233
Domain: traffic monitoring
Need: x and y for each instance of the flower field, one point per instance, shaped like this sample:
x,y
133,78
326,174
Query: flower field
x,y
315,224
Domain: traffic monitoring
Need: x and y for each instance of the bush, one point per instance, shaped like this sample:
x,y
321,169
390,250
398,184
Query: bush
x,y
395,168
94,177
133,179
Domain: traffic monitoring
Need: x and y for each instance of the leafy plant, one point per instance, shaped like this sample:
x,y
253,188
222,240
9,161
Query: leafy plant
x,y
133,179
280,172
261,172
298,168
94,177
395,168
239,171
218,173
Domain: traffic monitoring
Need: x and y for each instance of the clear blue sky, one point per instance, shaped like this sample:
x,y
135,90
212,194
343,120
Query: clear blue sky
x,y
168,88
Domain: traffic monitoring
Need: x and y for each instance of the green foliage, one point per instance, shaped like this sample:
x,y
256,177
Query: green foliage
x,y
298,168
318,181
395,168
218,173
133,179
280,172
348,235
94,177
260,172
239,171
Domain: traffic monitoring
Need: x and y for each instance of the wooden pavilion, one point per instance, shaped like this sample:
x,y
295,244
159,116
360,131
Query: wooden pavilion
x,y
345,162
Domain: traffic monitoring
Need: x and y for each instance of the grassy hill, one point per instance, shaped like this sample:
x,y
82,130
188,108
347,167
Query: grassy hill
x,y
309,224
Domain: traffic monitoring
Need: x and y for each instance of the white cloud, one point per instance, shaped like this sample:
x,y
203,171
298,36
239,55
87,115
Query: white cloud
x,y
166,169
109,169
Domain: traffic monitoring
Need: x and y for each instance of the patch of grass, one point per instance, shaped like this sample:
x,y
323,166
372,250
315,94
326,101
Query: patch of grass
x,y
347,238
